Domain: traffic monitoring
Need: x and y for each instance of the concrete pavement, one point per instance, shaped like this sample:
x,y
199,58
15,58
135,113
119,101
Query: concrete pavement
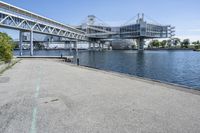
x,y
47,96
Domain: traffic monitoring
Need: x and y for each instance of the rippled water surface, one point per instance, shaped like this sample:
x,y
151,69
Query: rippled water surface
x,y
180,67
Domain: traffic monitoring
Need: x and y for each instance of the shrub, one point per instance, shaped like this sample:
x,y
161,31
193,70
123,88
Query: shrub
x,y
197,47
6,47
185,43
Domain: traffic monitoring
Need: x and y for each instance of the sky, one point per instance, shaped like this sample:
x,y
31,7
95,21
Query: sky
x,y
183,14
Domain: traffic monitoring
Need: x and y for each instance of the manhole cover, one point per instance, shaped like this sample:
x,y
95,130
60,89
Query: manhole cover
x,y
4,79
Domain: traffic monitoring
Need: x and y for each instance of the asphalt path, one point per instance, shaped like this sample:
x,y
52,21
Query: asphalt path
x,y
48,96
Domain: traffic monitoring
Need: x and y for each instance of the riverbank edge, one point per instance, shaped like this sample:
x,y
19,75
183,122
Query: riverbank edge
x,y
6,66
142,79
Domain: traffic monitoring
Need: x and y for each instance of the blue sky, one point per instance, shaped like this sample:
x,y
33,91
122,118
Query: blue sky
x,y
184,14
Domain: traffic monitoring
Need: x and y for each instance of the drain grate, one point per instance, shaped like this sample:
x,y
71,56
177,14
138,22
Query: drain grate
x,y
4,79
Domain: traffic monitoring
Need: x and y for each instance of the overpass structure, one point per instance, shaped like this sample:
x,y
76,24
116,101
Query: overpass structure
x,y
138,30
91,31
25,21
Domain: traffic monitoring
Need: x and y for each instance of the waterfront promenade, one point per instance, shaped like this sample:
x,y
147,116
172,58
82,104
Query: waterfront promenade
x,y
49,96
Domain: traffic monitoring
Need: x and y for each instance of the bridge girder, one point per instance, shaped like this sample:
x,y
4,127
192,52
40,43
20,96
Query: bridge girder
x,y
16,22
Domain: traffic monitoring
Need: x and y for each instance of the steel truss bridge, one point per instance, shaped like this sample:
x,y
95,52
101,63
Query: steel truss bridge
x,y
25,21
92,31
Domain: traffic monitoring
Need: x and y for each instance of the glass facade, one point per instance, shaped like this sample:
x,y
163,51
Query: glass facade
x,y
130,31
145,30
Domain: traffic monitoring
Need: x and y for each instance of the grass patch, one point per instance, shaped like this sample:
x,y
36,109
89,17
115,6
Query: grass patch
x,y
1,62
10,65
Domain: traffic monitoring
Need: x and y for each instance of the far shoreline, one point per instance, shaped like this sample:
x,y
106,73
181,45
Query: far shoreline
x,y
150,49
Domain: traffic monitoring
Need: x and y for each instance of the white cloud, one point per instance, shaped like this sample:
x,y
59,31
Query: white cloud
x,y
188,30
115,23
191,37
189,33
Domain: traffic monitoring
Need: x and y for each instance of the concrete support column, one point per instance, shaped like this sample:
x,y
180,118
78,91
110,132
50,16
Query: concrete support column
x,y
66,45
102,46
70,47
31,43
76,49
89,47
99,46
75,46
140,43
20,43
48,43
93,46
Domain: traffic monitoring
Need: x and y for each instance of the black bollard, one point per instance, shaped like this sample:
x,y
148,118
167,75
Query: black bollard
x,y
77,61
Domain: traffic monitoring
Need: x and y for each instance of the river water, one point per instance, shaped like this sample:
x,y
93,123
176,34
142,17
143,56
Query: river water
x,y
179,67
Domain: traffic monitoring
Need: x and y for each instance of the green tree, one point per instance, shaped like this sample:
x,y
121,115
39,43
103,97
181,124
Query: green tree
x,y
176,41
185,43
169,43
196,43
15,45
163,43
197,47
6,47
133,46
155,43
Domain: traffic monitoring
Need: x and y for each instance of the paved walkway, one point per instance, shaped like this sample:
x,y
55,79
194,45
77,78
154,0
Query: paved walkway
x,y
46,96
